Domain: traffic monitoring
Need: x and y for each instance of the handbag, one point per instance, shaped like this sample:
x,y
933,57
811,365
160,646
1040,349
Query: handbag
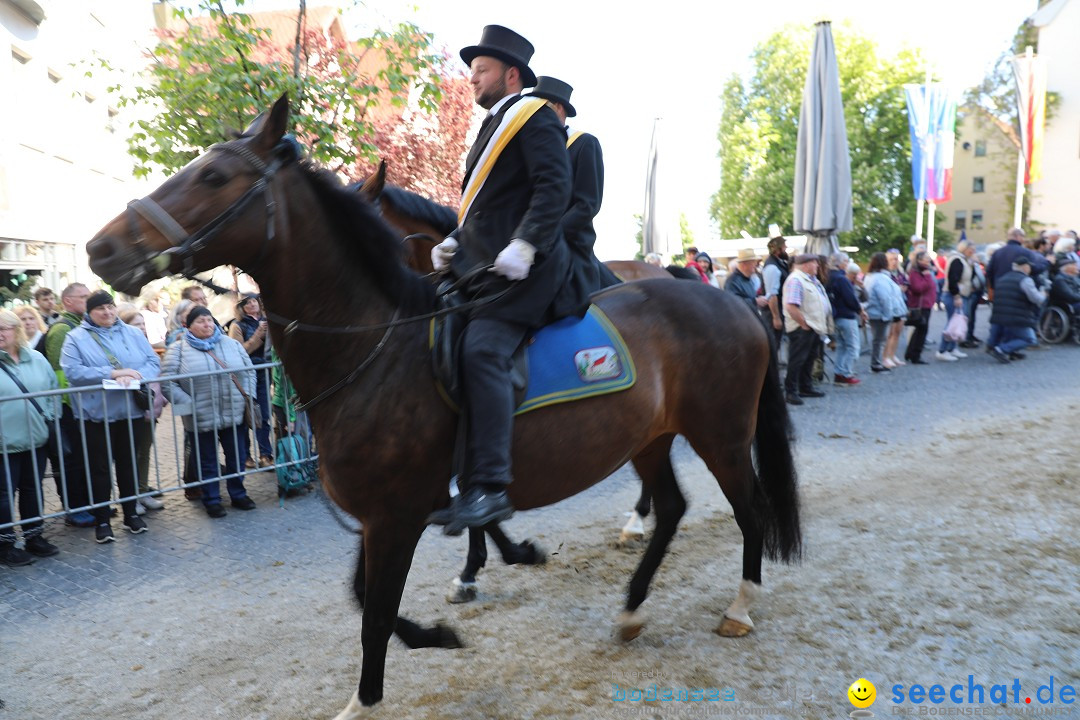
x,y
142,394
914,317
253,420
58,439
956,328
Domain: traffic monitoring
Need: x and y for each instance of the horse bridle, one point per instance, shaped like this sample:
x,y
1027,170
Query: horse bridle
x,y
185,245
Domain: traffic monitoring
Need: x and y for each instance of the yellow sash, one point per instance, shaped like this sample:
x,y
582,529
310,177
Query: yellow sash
x,y
515,117
574,136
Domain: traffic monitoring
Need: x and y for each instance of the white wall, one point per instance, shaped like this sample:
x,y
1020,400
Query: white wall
x,y
64,169
1053,199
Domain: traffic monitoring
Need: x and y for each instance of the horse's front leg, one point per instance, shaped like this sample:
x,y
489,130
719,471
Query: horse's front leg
x,y
388,548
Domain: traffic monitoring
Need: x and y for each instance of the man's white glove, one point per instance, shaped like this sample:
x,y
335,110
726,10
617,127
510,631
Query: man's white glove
x,y
443,253
514,261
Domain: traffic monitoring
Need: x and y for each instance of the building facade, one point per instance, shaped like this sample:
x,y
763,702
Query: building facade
x,y
984,178
64,167
1053,198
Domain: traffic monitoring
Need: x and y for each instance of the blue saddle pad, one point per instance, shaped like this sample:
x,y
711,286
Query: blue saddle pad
x,y
576,358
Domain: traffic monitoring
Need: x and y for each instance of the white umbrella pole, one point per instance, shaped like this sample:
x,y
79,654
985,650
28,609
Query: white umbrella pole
x,y
1018,211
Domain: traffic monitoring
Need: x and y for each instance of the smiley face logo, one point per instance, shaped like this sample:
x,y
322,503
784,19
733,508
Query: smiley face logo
x,y
862,693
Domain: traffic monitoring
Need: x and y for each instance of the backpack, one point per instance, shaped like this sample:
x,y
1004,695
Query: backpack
x,y
296,469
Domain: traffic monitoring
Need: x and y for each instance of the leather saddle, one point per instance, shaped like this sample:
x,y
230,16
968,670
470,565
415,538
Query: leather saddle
x,y
446,336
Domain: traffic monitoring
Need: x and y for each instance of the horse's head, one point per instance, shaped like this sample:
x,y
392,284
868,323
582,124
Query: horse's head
x,y
217,210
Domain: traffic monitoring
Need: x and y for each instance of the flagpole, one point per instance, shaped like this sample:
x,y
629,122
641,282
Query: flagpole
x,y
1021,165
919,201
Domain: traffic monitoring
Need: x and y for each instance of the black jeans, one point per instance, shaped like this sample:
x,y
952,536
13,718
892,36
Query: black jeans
x,y
71,483
487,350
27,469
801,346
113,441
918,338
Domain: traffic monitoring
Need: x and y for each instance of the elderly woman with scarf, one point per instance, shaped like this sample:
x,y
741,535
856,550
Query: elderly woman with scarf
x,y
105,348
212,405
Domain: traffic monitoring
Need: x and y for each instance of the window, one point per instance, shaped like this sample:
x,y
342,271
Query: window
x,y
961,220
978,185
980,148
976,219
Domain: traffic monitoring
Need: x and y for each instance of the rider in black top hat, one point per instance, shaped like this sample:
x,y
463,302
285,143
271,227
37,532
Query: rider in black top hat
x,y
587,169
510,221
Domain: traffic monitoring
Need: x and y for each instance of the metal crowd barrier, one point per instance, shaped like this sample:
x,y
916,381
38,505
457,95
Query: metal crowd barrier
x,y
167,438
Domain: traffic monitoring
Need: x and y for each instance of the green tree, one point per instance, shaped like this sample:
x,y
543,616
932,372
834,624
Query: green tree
x,y
759,129
212,78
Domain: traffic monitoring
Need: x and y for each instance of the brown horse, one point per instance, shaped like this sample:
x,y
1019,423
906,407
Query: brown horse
x,y
322,255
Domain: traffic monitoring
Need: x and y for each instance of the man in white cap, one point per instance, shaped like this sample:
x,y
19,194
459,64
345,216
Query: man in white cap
x,y
515,192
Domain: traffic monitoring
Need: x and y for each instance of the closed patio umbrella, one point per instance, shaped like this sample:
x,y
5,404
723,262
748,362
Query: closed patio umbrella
x,y
822,163
656,221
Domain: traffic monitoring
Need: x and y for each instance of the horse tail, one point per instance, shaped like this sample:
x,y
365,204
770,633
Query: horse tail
x,y
776,494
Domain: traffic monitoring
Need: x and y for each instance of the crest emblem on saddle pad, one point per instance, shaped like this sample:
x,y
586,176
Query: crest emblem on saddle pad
x,y
599,363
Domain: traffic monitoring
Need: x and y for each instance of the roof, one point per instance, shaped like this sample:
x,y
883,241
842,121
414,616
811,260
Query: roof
x,y
1046,14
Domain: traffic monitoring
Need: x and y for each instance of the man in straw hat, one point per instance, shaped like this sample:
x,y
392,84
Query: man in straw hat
x,y
515,192
587,192
741,282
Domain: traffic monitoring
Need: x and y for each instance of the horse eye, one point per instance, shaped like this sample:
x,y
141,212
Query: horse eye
x,y
210,176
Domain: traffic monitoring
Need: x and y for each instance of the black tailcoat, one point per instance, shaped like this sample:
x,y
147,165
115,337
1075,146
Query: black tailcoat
x,y
524,197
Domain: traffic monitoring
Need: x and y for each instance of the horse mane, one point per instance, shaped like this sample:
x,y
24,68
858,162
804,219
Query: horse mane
x,y
370,242
417,206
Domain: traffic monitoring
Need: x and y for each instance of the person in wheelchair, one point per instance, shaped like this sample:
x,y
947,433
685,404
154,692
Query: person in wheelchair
x,y
1065,290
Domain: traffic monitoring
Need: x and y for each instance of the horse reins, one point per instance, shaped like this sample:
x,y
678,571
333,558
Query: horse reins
x,y
185,245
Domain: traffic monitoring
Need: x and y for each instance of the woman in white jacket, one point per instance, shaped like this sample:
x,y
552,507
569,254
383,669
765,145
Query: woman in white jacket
x,y
212,406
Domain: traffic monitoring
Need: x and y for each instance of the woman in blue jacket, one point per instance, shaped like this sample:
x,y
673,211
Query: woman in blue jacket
x,y
24,433
104,348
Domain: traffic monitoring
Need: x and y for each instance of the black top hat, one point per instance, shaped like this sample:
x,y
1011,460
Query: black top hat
x,y
555,90
506,45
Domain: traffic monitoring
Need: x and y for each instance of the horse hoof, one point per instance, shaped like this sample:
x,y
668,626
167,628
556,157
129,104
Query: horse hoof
x,y
539,554
732,628
448,639
630,624
354,710
462,593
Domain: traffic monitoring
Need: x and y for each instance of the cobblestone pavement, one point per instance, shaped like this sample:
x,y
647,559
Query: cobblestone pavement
x,y
255,568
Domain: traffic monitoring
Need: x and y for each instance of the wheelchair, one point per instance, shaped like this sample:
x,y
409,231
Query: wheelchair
x,y
1058,323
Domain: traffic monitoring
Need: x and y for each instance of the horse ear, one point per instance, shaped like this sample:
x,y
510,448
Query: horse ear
x,y
272,128
373,186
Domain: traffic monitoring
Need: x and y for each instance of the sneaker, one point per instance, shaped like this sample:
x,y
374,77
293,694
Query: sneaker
x,y
250,464
216,511
879,368
266,461
845,380
103,533
888,363
82,519
955,352
135,525
945,356
811,393
13,556
243,503
898,362
151,503
999,356
139,509
41,547
1017,356
793,399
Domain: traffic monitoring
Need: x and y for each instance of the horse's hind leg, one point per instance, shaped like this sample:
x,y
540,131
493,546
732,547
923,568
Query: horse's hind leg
x,y
464,588
635,529
526,552
654,467
734,471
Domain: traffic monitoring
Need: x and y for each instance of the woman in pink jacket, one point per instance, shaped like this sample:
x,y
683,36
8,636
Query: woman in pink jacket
x,y
921,296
